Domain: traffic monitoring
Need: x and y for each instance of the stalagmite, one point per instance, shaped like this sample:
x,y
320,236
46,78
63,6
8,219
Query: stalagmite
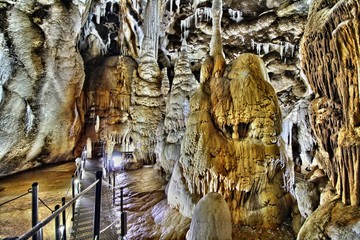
x,y
176,114
230,143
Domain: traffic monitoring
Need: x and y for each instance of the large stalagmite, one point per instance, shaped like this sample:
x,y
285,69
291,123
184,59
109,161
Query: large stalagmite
x,y
147,102
230,147
230,144
171,132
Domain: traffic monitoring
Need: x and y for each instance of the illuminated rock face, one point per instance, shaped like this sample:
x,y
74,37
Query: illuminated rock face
x,y
230,147
332,221
330,61
41,78
106,100
172,130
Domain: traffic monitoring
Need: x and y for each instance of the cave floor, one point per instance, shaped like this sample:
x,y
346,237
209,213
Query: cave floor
x,y
149,216
54,183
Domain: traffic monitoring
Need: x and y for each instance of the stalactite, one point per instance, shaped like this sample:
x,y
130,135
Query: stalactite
x,y
328,53
235,15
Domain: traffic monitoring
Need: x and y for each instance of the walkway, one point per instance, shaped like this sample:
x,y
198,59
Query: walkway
x,y
84,210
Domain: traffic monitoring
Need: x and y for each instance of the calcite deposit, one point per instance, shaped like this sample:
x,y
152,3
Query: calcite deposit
x,y
172,130
230,144
330,62
230,147
212,219
41,77
257,101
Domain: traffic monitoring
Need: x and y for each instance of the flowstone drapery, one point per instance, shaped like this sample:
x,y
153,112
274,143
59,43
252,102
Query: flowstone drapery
x,y
230,147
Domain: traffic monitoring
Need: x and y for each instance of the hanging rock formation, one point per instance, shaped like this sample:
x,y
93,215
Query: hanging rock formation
x,y
330,61
171,132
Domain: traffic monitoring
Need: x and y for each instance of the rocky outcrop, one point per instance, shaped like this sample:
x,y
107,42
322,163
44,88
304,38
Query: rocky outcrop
x,y
333,220
330,63
211,219
41,78
308,198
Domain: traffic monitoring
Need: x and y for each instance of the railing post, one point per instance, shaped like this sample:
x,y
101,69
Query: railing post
x,y
97,205
73,195
123,215
35,208
113,184
64,219
57,224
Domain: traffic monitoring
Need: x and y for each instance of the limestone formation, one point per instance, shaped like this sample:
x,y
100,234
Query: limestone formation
x,y
308,198
330,63
230,147
176,114
147,100
41,79
211,219
333,220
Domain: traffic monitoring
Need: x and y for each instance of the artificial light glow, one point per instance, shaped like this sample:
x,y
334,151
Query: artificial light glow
x,y
117,160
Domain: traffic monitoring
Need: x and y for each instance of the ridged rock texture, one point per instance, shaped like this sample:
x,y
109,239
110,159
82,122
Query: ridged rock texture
x,y
330,60
172,130
230,147
41,77
332,221
147,103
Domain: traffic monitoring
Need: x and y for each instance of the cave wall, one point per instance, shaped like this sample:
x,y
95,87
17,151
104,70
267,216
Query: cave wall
x,y
41,78
330,61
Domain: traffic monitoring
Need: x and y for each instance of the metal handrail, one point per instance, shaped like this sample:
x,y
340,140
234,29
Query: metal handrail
x,y
41,224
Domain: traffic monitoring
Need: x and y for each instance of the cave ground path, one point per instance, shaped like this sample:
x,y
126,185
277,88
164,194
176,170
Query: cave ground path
x,y
83,223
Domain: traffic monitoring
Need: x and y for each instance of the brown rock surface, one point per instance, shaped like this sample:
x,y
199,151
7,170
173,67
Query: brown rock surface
x,y
334,220
230,147
330,62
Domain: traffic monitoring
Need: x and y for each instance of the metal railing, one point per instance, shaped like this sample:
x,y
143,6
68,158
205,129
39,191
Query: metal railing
x,y
60,231
58,210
